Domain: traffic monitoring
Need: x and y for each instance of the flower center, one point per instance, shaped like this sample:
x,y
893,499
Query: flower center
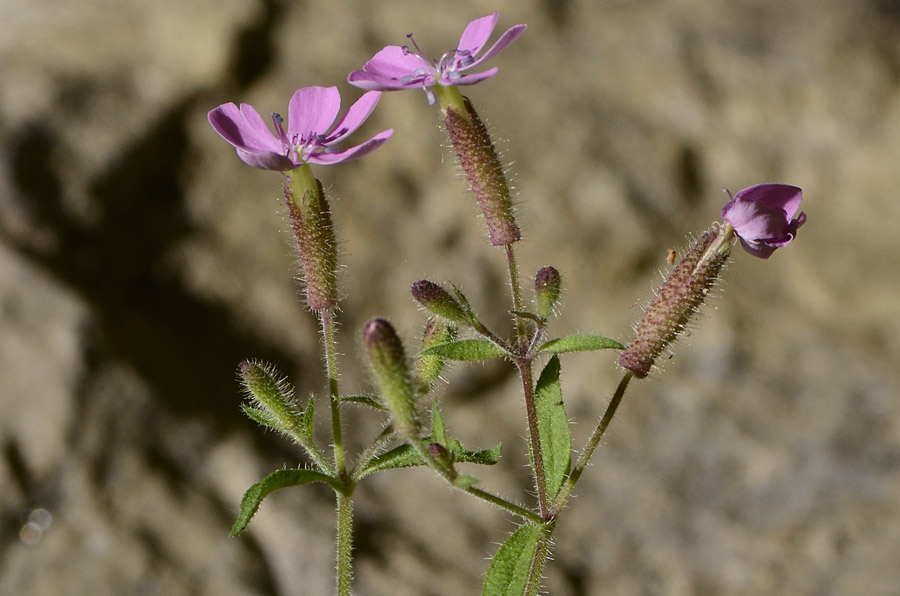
x,y
447,67
298,147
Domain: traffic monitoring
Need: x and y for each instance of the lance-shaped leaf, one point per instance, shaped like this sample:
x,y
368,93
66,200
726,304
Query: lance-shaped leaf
x,y
308,420
405,456
466,350
364,400
263,417
278,479
437,425
508,573
553,428
579,343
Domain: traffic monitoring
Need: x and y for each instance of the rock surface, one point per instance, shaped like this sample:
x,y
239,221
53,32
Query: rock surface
x,y
140,262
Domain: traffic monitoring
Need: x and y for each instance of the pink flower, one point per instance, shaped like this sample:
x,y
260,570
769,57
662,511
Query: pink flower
x,y
761,217
311,135
402,67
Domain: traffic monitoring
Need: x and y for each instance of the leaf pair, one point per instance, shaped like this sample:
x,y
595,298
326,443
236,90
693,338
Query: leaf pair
x,y
482,349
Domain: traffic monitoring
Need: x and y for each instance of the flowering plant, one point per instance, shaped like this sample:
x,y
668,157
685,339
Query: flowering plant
x,y
761,217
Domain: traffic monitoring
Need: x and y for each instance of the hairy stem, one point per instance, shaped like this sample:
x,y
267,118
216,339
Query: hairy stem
x,y
450,475
344,532
344,542
594,440
534,437
516,291
328,326
539,560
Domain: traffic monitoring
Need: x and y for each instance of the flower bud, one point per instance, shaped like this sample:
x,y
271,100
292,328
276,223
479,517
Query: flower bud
x,y
270,390
438,301
429,366
478,158
678,299
393,375
441,454
311,223
547,284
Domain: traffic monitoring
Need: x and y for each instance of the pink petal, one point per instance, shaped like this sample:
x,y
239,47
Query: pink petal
x,y
266,160
760,251
477,33
352,153
394,62
357,114
775,196
374,82
312,110
511,35
243,128
469,79
754,221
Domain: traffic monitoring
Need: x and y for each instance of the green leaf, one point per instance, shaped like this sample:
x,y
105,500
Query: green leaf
x,y
508,573
484,457
437,425
277,479
465,481
364,400
528,315
466,350
262,417
307,419
553,428
579,343
405,456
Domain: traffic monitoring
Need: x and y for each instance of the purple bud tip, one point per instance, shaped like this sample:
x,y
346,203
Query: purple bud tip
x,y
547,285
436,450
427,291
438,301
379,332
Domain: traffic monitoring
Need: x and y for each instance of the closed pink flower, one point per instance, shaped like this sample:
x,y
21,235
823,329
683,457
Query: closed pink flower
x,y
763,217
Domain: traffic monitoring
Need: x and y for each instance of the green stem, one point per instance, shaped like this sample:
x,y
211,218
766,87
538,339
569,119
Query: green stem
x,y
502,503
516,291
450,97
539,560
314,453
450,475
376,446
327,319
534,437
566,491
344,542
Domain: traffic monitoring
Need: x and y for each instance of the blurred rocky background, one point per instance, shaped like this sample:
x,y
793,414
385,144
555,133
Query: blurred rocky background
x,y
140,261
